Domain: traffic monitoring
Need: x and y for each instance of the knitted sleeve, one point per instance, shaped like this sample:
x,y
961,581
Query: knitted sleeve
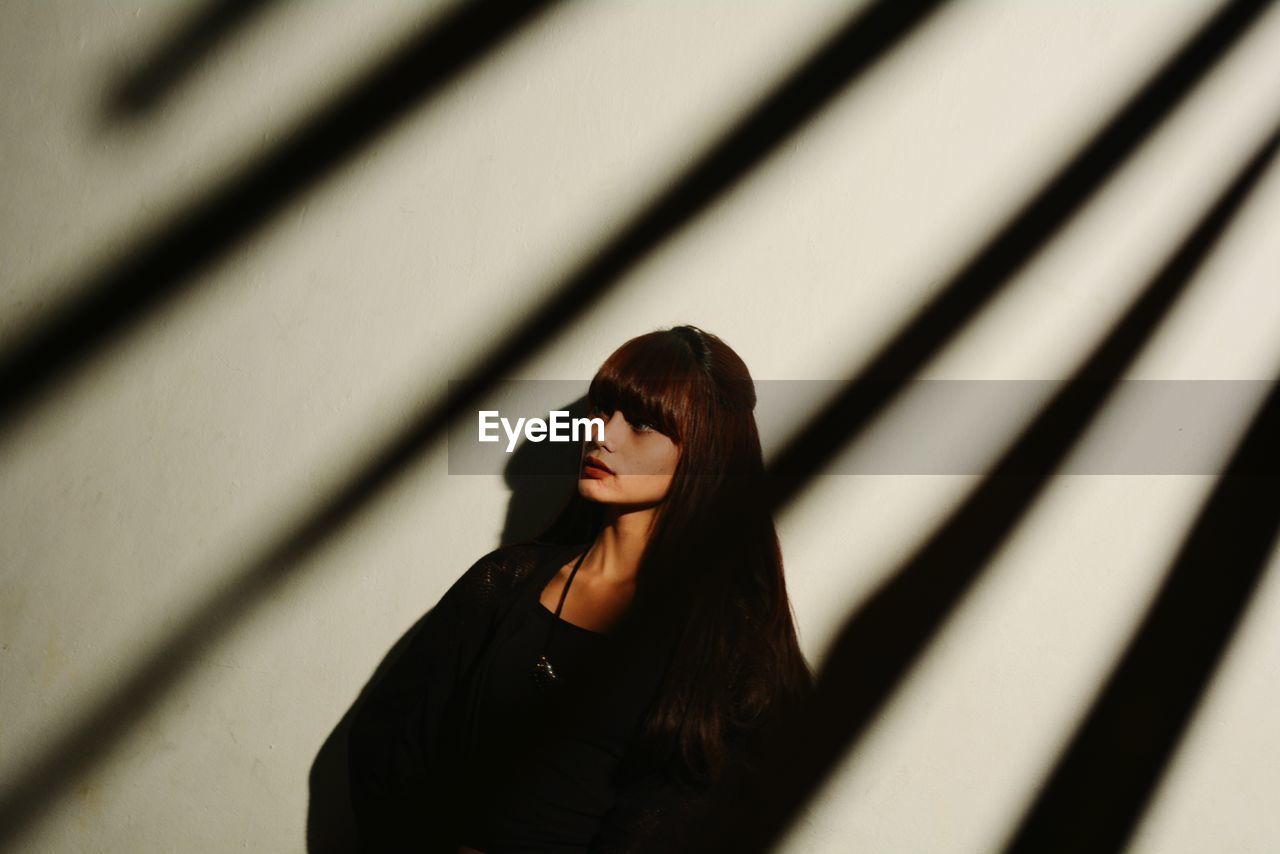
x,y
394,743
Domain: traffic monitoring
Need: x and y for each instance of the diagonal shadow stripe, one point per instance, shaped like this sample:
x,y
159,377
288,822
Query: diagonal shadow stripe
x,y
101,726
1103,782
169,65
162,265
928,590
158,270
866,37
884,638
1024,233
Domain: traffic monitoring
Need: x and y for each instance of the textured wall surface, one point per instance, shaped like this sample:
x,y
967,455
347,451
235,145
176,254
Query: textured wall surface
x,y
164,691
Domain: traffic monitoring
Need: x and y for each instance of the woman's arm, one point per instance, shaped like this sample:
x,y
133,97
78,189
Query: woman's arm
x,y
394,748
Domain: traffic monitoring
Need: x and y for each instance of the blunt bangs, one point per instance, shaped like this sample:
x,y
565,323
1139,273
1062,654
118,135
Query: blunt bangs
x,y
651,380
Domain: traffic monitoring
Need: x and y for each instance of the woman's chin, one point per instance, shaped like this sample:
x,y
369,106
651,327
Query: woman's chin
x,y
589,487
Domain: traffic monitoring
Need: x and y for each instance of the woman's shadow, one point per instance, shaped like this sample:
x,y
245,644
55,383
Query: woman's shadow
x,y
541,476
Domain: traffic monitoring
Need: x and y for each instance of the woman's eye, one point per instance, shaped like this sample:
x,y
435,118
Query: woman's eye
x,y
637,425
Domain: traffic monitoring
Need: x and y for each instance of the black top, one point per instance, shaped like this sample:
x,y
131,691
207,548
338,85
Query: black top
x,y
533,786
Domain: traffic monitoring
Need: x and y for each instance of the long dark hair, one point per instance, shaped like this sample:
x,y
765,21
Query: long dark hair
x,y
737,665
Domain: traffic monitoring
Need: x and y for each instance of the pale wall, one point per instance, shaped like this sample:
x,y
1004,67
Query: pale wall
x,y
161,473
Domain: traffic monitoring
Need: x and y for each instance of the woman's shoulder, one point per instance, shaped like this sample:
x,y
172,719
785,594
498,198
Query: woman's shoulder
x,y
510,564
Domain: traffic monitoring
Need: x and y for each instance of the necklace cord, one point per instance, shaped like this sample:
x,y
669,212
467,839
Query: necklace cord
x,y
546,646
564,593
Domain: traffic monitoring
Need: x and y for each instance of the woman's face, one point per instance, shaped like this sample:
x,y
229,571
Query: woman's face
x,y
639,459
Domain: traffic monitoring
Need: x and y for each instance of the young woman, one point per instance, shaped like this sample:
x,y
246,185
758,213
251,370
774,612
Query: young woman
x,y
584,691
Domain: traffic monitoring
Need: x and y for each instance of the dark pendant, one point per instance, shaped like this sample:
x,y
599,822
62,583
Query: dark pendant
x,y
543,672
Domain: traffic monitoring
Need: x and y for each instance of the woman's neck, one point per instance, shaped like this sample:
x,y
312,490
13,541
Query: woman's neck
x,y
614,557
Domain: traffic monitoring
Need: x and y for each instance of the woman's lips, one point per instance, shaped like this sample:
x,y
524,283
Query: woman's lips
x,y
591,467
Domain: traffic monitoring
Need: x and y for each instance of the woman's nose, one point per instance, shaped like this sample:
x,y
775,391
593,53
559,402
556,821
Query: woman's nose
x,y
612,428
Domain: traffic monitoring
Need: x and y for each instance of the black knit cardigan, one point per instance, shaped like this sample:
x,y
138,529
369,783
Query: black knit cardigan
x,y
399,746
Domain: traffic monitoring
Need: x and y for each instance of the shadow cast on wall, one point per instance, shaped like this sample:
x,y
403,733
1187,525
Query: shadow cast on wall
x,y
25,373
160,266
